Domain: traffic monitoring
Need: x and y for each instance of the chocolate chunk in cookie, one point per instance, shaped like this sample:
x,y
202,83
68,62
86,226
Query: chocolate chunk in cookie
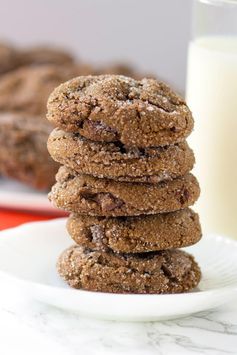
x,y
136,113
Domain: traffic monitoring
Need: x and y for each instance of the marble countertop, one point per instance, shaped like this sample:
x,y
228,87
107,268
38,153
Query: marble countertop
x,y
29,327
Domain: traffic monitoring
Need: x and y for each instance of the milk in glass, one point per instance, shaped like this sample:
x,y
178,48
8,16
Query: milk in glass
x,y
212,96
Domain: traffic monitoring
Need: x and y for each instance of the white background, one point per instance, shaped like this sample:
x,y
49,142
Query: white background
x,y
153,34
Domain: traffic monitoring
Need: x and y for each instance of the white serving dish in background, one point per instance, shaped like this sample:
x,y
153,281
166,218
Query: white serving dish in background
x,y
15,195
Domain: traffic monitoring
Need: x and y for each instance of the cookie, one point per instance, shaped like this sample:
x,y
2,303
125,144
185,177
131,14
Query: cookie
x,y
115,161
121,69
85,194
116,69
45,55
114,108
26,89
168,271
9,58
136,234
23,152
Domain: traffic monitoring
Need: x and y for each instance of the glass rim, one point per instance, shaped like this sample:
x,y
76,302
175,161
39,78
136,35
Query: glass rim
x,y
218,2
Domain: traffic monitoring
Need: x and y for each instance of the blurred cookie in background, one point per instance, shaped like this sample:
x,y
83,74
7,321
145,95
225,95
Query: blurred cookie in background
x,y
27,89
82,69
23,128
116,68
120,68
39,55
14,57
23,151
9,58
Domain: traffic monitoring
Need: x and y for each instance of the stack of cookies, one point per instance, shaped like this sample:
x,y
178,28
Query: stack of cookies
x,y
126,181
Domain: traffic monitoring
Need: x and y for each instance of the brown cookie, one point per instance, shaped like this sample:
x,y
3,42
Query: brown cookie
x,y
45,55
84,194
116,69
136,234
23,152
26,89
9,58
121,69
114,108
115,161
168,271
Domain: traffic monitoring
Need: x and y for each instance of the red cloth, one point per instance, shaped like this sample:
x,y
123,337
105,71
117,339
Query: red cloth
x,y
10,219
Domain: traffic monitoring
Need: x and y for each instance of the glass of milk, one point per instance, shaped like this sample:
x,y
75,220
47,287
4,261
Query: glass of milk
x,y
212,96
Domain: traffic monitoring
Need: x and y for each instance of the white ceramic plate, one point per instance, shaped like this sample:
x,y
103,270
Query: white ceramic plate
x,y
15,195
28,255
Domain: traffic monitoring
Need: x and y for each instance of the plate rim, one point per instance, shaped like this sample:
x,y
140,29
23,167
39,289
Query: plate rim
x,y
4,234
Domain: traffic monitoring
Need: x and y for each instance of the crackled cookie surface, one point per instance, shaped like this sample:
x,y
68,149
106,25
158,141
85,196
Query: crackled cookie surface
x,y
115,108
115,161
168,271
85,194
136,234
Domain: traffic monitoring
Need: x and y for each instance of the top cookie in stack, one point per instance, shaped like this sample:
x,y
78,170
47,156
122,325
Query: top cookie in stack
x,y
122,144
114,108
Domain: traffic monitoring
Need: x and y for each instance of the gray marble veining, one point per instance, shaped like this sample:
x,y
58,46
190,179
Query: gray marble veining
x,y
209,333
